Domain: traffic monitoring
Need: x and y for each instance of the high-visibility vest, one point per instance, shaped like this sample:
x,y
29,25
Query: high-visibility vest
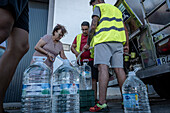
x,y
110,27
79,43
92,50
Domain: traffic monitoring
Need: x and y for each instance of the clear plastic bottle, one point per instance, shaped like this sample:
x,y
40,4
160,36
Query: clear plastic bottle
x,y
81,78
75,66
85,77
65,89
36,87
135,96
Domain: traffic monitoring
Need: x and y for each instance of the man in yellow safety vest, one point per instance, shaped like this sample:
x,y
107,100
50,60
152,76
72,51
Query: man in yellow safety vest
x,y
108,36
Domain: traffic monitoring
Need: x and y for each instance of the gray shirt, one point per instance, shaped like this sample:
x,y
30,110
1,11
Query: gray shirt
x,y
50,46
96,12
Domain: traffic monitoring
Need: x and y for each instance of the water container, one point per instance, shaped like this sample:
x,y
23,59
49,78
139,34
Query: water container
x,y
75,66
85,77
65,89
135,96
36,87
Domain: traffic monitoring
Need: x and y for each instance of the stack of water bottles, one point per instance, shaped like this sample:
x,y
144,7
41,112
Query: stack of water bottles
x,y
36,89
135,96
65,89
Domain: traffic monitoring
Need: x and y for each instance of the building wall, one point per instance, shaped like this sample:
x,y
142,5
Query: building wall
x,y
71,13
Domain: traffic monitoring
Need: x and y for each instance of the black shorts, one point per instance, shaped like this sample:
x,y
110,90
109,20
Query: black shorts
x,y
19,10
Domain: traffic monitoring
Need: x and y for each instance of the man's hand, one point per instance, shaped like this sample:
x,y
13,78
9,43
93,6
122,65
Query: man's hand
x,y
77,54
126,49
86,47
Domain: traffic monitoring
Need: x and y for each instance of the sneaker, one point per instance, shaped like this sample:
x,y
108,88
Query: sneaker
x,y
99,108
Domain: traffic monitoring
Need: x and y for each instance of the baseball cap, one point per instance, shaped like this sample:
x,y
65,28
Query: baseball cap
x,y
91,1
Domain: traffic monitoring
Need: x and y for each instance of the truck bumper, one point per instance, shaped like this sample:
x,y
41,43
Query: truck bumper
x,y
154,71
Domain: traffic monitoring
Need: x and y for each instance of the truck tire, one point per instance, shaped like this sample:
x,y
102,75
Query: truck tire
x,y
161,85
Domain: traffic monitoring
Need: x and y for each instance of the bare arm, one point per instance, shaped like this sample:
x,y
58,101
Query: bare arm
x,y
73,46
62,55
39,47
93,27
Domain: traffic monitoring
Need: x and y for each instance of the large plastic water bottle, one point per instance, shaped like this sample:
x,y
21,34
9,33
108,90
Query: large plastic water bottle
x,y
65,89
36,89
85,77
135,96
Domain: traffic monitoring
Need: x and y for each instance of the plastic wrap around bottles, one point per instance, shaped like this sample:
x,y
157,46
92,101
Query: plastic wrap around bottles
x,y
65,89
85,76
135,96
36,88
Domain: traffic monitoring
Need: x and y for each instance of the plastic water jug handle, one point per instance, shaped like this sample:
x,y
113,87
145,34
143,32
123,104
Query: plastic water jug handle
x,y
60,58
85,60
74,62
65,61
78,58
137,69
39,58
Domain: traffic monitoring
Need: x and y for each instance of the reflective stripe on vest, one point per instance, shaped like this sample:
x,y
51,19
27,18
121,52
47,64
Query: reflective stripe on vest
x,y
92,50
78,42
110,27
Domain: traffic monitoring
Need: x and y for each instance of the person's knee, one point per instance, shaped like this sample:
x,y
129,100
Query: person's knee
x,y
101,67
118,70
23,47
19,48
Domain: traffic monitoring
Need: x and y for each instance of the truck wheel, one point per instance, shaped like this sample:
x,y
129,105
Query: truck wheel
x,y
161,85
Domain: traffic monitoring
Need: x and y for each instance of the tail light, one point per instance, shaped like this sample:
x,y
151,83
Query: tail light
x,y
163,46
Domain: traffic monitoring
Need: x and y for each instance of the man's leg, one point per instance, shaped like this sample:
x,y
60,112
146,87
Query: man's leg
x,y
103,82
17,47
94,87
6,23
121,76
94,78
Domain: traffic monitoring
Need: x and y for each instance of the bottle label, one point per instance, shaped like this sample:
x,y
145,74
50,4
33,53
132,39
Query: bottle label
x,y
66,89
35,89
131,100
